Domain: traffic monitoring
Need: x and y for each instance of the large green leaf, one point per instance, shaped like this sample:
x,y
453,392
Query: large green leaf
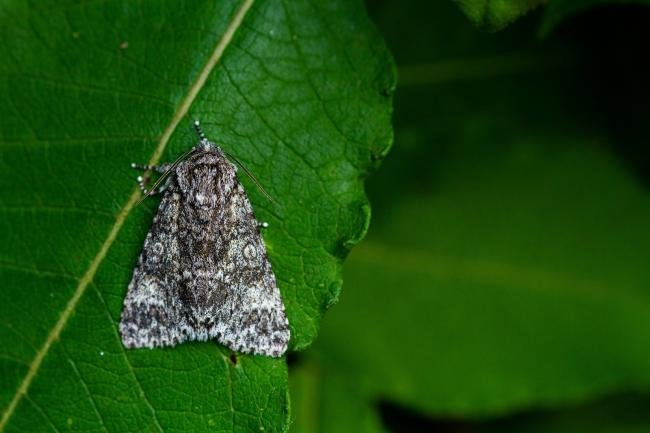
x,y
298,91
506,267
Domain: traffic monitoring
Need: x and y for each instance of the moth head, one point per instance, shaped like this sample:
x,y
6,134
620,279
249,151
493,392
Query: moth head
x,y
206,145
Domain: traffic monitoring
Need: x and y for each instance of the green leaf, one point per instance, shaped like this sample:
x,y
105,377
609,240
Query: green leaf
x,y
496,14
506,267
495,298
298,91
559,10
622,414
325,402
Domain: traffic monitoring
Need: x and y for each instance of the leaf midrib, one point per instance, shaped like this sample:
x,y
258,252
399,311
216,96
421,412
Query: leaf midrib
x,y
133,199
501,272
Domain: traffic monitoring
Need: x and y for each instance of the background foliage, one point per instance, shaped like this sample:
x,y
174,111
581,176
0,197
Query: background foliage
x,y
503,285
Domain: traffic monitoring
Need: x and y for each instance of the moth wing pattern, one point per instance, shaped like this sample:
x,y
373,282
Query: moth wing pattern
x,y
253,320
150,316
203,272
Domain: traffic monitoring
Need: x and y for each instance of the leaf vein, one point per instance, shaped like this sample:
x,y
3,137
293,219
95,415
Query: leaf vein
x,y
43,414
85,387
127,361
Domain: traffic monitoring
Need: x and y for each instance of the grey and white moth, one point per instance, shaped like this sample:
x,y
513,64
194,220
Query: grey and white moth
x,y
203,272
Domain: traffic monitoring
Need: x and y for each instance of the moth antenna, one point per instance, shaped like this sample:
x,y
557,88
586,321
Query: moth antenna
x,y
199,131
165,175
250,175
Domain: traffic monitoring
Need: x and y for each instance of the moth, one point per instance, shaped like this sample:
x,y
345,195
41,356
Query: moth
x,y
203,272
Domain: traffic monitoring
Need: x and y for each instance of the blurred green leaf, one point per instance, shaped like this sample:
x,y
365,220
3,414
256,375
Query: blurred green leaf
x,y
496,14
325,402
506,267
299,91
519,281
621,414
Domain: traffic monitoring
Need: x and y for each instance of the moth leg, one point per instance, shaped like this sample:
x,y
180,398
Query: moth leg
x,y
143,180
262,225
162,168
142,183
